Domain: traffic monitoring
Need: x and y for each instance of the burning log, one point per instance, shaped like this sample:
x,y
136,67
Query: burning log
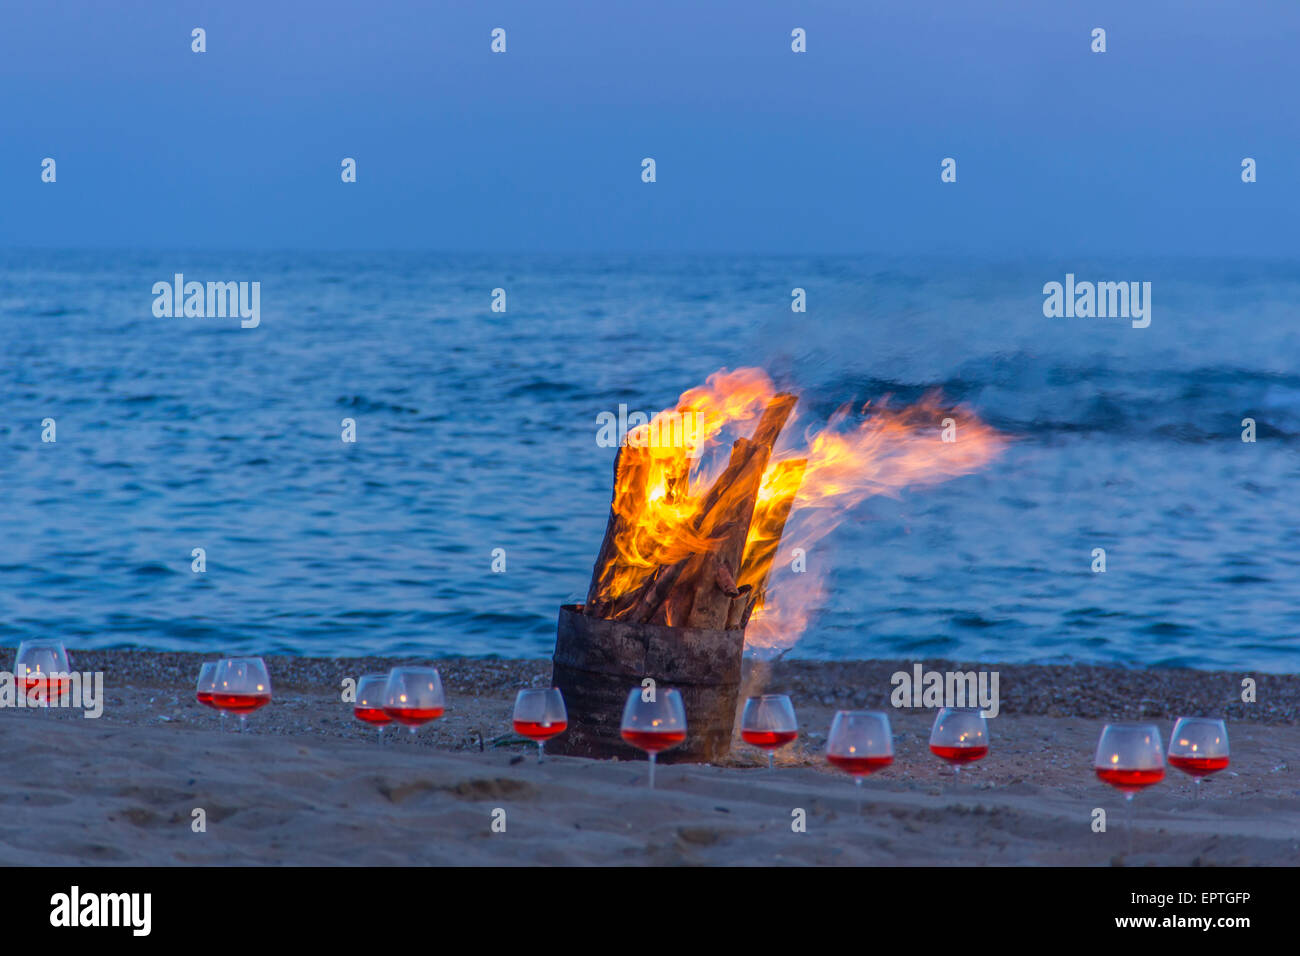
x,y
699,588
682,573
666,600
631,472
727,524
764,539
774,419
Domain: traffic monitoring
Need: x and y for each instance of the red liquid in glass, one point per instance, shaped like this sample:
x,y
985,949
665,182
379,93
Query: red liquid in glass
x,y
653,741
959,754
1130,781
55,686
372,715
859,766
768,739
204,697
536,730
413,716
240,703
1198,766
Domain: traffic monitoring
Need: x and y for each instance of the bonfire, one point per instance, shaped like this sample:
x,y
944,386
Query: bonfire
x,y
692,541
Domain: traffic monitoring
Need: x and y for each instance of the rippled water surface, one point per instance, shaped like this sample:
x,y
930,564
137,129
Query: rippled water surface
x,y
477,431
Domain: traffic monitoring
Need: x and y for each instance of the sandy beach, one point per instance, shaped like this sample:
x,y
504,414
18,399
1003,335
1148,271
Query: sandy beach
x,y
309,785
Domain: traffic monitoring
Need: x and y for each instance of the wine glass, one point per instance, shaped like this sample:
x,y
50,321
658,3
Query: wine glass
x,y
655,724
1199,746
540,715
369,705
242,685
960,736
1130,758
860,743
413,696
42,665
768,722
205,690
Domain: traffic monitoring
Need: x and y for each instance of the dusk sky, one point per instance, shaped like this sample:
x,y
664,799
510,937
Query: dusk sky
x,y
1136,151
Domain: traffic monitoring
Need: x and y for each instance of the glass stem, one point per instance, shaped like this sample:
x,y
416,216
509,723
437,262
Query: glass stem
x,y
652,770
1129,813
770,757
1196,788
541,748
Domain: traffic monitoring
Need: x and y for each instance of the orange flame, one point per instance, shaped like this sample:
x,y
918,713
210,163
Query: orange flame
x,y
661,461
881,455
663,471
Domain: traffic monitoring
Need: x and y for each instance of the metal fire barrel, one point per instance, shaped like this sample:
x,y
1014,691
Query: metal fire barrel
x,y
597,662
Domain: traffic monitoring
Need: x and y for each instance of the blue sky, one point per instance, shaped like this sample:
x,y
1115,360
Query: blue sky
x,y
759,150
